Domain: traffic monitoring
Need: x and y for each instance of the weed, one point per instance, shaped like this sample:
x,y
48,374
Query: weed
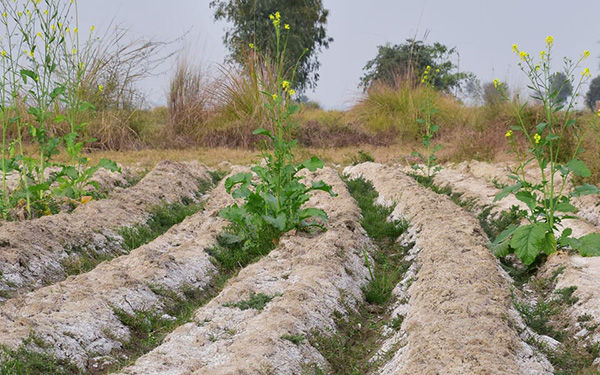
x,y
361,157
255,301
295,338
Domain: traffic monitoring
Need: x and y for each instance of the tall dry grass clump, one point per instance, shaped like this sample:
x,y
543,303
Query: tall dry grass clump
x,y
189,104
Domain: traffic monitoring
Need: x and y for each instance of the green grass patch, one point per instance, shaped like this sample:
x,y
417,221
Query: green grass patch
x,y
149,328
296,338
23,361
358,336
255,301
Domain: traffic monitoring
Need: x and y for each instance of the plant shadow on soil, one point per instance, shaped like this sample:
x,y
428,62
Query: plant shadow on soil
x,y
358,336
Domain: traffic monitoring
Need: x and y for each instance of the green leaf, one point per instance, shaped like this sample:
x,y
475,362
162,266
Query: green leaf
x,y
552,137
28,73
108,164
320,185
528,198
507,191
565,207
540,127
527,241
501,245
312,164
588,245
263,131
549,243
307,213
564,238
239,178
278,222
579,168
585,189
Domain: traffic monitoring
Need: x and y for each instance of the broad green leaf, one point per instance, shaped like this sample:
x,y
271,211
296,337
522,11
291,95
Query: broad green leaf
x,y
312,212
320,185
565,236
589,245
278,222
579,168
109,165
28,73
527,241
312,164
528,198
507,191
565,207
239,178
585,189
549,243
501,245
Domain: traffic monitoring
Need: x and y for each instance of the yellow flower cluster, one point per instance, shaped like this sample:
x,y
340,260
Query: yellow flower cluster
x,y
586,54
537,138
496,82
586,73
508,134
286,87
523,55
276,18
549,40
425,78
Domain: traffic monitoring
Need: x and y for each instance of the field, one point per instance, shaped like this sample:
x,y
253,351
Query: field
x,y
242,229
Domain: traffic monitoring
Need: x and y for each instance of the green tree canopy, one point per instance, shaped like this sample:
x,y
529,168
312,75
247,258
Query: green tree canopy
x,y
593,93
408,61
561,85
307,35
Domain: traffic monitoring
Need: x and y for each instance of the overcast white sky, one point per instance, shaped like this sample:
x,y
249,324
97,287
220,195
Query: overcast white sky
x,y
482,31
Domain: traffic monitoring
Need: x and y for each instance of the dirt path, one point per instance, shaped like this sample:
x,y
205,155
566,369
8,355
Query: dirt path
x,y
33,253
308,277
76,318
458,308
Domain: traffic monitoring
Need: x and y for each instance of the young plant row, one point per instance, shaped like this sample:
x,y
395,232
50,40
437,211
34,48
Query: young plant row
x,y
44,67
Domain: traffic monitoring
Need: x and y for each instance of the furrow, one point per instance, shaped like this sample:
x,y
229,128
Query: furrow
x,y
308,276
456,299
80,319
34,253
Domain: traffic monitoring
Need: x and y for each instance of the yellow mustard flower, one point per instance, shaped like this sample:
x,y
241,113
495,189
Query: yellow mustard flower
x,y
285,85
92,28
586,54
292,92
508,134
543,54
598,113
277,16
3,53
523,55
4,14
537,138
286,26
515,48
496,82
586,73
251,45
271,17
100,88
274,96
39,34
549,40
76,30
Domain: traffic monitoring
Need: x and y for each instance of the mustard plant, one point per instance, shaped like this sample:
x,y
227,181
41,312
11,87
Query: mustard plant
x,y
43,68
274,194
548,201
428,109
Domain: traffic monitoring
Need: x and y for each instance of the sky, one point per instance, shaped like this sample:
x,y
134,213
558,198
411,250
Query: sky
x,y
482,31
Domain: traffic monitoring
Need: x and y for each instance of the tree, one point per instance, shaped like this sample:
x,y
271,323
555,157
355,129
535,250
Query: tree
x,y
408,61
307,35
561,85
593,94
